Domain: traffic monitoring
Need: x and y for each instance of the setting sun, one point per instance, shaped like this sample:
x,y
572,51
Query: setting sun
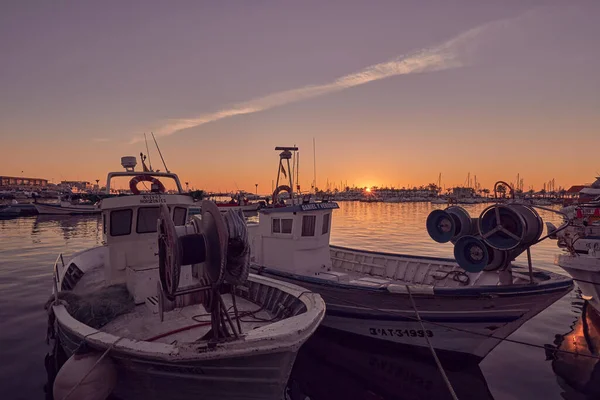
x,y
368,190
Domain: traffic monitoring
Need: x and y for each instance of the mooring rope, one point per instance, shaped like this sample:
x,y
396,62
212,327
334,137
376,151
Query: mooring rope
x,y
91,369
465,330
433,353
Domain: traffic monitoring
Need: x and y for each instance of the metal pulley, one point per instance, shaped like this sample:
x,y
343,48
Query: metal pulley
x,y
450,224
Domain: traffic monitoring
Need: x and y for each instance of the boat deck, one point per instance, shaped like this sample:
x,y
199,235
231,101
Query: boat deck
x,y
144,324
437,278
378,270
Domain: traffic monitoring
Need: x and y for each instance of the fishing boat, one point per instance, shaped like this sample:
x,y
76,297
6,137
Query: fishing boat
x,y
238,202
439,200
574,356
9,212
580,241
468,304
67,204
172,305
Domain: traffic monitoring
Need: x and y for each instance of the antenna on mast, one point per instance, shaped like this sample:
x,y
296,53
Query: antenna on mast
x,y
148,152
159,153
314,166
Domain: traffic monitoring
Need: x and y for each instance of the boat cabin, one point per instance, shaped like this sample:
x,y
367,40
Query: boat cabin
x,y
130,225
308,225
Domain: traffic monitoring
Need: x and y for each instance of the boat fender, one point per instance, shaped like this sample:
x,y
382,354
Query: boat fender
x,y
72,383
145,178
279,189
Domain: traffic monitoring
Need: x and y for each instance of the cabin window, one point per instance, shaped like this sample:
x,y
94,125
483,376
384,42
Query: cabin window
x,y
120,222
147,219
286,225
282,225
104,223
308,225
179,215
326,221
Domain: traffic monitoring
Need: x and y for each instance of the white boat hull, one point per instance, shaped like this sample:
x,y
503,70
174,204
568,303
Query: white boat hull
x,y
459,319
585,271
58,209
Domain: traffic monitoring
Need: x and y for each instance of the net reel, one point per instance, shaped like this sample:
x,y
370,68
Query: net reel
x,y
217,247
500,234
475,252
510,226
177,246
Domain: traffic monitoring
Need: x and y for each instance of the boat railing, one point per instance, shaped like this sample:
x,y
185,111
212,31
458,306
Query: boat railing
x,y
56,276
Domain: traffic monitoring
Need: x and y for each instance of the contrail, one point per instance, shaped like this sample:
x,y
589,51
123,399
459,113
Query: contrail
x,y
450,54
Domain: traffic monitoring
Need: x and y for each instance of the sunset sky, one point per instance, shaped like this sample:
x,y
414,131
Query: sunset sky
x,y
394,92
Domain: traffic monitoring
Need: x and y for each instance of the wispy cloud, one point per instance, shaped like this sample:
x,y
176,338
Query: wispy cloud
x,y
450,54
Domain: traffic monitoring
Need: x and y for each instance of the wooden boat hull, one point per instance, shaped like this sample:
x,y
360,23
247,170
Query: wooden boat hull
x,y
470,320
257,366
57,209
247,376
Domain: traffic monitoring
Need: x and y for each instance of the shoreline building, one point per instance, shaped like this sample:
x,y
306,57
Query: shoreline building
x,y
16,181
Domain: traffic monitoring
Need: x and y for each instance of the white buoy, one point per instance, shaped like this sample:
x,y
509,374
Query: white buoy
x,y
72,381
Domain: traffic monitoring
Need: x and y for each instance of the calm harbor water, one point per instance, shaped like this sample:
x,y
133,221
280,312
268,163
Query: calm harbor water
x,y
330,365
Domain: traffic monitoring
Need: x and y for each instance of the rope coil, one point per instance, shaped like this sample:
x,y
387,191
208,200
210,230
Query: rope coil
x,y
238,251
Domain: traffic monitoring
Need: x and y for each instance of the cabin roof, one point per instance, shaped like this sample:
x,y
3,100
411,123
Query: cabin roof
x,y
146,199
147,173
307,207
575,188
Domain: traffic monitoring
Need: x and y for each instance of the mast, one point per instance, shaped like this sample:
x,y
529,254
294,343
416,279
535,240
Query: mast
x,y
159,153
314,167
148,152
286,154
298,171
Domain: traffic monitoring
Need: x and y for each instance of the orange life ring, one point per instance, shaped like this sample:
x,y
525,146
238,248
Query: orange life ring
x,y
280,189
145,178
